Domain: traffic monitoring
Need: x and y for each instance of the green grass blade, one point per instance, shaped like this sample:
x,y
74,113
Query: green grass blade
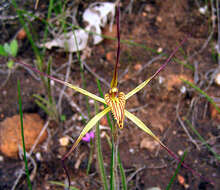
x,y
217,156
99,154
203,93
29,36
122,173
176,171
22,135
62,185
112,172
46,24
50,98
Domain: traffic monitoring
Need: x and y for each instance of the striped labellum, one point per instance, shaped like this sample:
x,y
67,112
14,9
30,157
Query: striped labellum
x,y
116,101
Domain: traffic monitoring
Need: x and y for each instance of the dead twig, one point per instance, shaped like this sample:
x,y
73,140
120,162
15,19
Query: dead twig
x,y
184,128
95,75
59,104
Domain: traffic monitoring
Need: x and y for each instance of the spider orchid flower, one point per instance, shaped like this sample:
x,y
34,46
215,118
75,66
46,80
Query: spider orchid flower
x,y
115,101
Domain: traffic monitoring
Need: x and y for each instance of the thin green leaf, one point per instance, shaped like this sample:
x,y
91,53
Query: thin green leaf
x,y
99,155
7,48
112,172
217,156
176,171
14,48
10,64
22,135
42,106
2,51
41,99
203,93
63,185
122,173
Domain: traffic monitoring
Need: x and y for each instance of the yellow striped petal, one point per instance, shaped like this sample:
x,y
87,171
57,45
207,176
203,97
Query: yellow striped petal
x,y
85,92
117,105
86,129
138,88
141,125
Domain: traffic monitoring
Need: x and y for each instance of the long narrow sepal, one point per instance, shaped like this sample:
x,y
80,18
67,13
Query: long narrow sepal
x,y
143,84
114,81
142,126
76,88
86,129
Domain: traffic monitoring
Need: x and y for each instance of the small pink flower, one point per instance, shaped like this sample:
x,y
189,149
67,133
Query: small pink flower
x,y
88,136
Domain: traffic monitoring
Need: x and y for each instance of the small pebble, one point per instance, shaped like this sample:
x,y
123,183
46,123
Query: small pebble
x,y
160,49
103,134
131,150
4,92
153,188
80,118
144,14
183,89
180,152
52,83
161,79
91,101
217,79
159,19
64,141
1,158
38,156
203,10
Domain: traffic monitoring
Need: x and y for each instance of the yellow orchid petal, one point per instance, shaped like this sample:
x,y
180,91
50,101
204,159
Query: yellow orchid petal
x,y
85,92
138,88
86,129
142,126
117,105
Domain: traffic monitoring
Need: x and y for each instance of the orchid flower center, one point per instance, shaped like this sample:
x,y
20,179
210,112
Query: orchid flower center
x,y
116,101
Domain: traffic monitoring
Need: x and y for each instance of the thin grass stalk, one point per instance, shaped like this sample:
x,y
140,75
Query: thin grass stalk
x,y
99,154
203,93
122,173
48,81
90,156
29,36
176,171
217,156
46,24
112,167
22,135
